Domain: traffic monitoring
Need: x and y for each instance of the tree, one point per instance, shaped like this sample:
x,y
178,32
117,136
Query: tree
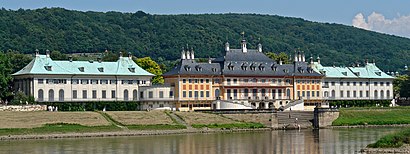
x,y
277,57
57,55
151,66
5,76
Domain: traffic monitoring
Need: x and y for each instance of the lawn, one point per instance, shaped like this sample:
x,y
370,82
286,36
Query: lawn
x,y
373,116
140,117
201,120
394,140
41,118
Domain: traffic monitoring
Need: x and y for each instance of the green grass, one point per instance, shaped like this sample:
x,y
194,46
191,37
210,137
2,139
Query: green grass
x,y
57,128
229,126
373,116
394,140
155,127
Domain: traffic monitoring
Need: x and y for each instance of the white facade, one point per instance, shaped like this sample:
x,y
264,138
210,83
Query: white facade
x,y
157,97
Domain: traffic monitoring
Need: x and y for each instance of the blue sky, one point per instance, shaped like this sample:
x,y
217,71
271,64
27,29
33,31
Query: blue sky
x,y
384,16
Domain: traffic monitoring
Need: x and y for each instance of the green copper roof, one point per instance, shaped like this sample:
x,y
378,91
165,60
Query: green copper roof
x,y
43,64
370,70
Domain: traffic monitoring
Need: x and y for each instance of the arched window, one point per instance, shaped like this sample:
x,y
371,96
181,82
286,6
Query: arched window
x,y
375,94
40,96
381,94
217,94
51,95
61,95
135,94
388,93
326,94
125,95
288,93
333,94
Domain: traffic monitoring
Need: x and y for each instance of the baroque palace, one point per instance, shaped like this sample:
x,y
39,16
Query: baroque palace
x,y
240,79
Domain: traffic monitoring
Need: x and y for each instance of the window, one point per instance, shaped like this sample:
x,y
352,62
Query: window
x,y
354,83
228,92
367,83
341,93
51,95
246,92
103,94
113,94
141,94
190,94
104,81
201,80
183,80
360,93
381,93
341,83
348,93
303,93
207,93
235,81
40,95
207,81
387,83
84,94
74,81
360,83
113,81
348,83
317,93
308,93
388,93
125,95
354,93
184,94
381,83
190,80
375,83
74,94
161,105
333,93
134,94
333,83
375,94
161,94
94,81
40,81
367,93
94,94
196,94
228,81
171,94
61,95
131,82
298,93
202,94
84,81
150,94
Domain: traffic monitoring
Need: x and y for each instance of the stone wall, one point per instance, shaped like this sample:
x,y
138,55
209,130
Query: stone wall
x,y
23,108
267,119
325,116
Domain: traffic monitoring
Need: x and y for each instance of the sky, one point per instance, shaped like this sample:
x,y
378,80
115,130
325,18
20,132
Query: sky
x,y
391,17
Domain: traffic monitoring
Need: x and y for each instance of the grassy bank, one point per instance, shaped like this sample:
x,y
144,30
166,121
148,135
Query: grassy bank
x,y
373,116
230,126
59,128
394,140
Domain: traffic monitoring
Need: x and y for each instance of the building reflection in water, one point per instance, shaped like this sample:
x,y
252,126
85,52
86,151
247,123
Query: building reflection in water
x,y
268,142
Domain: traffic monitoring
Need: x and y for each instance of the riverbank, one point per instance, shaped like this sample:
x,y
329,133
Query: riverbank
x,y
125,133
372,116
397,142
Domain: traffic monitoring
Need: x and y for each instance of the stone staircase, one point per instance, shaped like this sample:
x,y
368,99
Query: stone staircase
x,y
287,119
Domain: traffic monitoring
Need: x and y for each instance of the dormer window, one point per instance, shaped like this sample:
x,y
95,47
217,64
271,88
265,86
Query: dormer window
x,y
187,68
48,68
213,69
198,68
285,70
243,66
261,67
131,69
378,73
81,69
101,69
230,66
344,73
357,73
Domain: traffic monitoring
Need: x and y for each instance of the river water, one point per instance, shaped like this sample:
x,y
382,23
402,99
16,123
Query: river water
x,y
326,141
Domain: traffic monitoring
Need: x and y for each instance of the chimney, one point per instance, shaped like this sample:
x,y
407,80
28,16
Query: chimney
x,y
209,60
299,56
120,54
47,53
183,53
280,61
70,58
303,56
226,46
129,55
192,53
188,54
296,57
374,61
99,59
37,52
311,60
244,49
366,61
260,47
318,59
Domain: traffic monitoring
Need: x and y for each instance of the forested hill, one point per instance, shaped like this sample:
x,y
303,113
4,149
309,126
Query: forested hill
x,y
164,35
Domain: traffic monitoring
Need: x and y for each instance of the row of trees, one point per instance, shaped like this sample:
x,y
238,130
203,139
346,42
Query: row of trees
x,y
162,36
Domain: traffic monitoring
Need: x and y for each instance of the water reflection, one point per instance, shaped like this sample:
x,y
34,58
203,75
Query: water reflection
x,y
269,142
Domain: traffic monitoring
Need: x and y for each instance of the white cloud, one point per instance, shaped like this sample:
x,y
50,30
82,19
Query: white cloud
x,y
377,22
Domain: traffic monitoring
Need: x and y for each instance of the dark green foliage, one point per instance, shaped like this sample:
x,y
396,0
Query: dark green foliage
x,y
94,106
163,36
394,140
359,103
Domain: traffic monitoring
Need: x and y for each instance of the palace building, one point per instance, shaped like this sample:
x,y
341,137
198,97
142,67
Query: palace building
x,y
366,82
246,77
73,81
